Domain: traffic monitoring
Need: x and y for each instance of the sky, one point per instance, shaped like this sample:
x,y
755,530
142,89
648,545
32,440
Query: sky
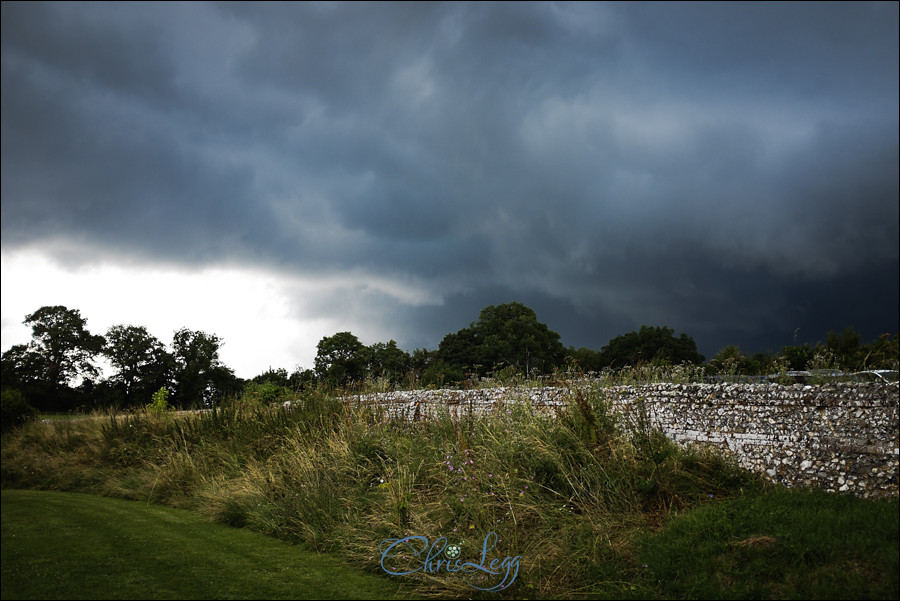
x,y
277,173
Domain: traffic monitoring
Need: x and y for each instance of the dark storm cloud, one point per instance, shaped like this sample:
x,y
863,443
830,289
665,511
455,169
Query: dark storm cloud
x,y
694,165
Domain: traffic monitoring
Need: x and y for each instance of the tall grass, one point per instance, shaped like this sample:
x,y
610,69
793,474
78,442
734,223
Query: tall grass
x,y
567,493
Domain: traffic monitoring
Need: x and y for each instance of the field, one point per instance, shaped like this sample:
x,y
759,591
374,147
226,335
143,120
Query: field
x,y
584,504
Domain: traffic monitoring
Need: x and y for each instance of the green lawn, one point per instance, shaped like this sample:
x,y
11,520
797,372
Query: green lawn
x,y
59,545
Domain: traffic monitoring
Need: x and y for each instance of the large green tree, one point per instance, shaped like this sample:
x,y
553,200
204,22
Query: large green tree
x,y
61,351
650,344
141,362
507,334
200,376
61,347
341,360
21,367
387,360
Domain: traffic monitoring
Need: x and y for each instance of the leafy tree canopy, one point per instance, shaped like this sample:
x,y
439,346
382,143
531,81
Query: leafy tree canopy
x,y
507,334
199,374
341,359
142,363
386,359
650,344
62,348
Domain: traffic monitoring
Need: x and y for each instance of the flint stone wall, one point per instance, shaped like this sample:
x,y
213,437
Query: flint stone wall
x,y
841,436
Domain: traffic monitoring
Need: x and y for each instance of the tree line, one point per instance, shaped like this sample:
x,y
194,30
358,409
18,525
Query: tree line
x,y
56,370
62,351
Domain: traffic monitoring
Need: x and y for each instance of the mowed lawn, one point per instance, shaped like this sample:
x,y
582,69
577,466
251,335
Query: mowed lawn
x,y
59,545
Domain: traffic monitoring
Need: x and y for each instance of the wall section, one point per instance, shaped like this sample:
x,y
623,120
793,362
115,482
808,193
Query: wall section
x,y
841,436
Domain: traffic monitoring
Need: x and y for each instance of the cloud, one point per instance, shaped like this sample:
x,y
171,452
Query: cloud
x,y
625,163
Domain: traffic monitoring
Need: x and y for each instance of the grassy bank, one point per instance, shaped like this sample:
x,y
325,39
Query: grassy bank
x,y
589,503
71,546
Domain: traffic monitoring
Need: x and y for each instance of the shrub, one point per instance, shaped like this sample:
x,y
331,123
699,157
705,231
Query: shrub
x,y
15,409
265,393
160,401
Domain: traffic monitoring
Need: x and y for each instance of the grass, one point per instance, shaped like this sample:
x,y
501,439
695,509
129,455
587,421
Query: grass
x,y
595,505
782,544
72,546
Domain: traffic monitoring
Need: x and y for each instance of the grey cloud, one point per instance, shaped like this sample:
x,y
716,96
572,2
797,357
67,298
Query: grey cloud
x,y
83,45
624,163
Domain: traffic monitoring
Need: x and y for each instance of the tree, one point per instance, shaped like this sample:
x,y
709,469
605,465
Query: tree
x,y
882,353
21,366
388,360
14,409
278,376
142,362
650,344
301,379
846,349
341,359
729,361
507,334
273,385
585,359
797,356
199,374
62,346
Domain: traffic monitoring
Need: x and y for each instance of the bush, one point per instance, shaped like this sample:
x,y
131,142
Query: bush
x,y
266,393
160,401
15,409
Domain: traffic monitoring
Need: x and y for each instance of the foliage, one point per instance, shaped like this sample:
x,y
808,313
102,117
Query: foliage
x,y
585,360
845,349
842,352
266,392
160,401
650,344
21,366
278,377
883,353
797,356
440,373
141,361
730,361
200,376
61,350
61,340
341,359
506,344
388,361
507,334
15,409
